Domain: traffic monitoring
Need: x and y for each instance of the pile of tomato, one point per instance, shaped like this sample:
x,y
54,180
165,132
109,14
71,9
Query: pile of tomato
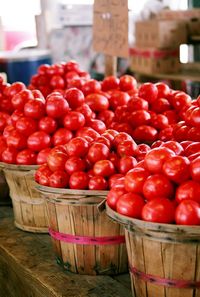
x,y
164,187
141,143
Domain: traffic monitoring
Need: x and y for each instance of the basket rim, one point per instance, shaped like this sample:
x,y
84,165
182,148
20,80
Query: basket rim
x,y
52,190
131,223
8,166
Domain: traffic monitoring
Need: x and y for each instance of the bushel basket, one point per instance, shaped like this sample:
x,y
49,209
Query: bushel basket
x,y
85,240
164,259
28,205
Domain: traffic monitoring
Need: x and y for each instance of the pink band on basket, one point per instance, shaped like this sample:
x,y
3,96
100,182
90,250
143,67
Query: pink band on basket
x,y
86,239
163,281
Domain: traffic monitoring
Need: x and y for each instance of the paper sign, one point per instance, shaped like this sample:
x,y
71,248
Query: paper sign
x,y
110,27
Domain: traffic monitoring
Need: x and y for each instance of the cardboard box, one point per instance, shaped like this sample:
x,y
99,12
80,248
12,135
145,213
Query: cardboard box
x,y
160,33
168,14
190,16
193,26
152,60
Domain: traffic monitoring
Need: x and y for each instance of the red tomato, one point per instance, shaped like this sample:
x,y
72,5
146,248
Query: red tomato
x,y
181,133
137,103
160,105
104,168
56,105
74,97
185,144
188,213
26,126
16,140
44,171
47,124
134,180
145,133
176,168
42,156
127,83
97,102
141,151
14,88
79,180
119,183
98,151
194,156
8,131
159,210
195,117
126,163
37,94
9,155
19,100
56,161
114,159
114,178
195,169
74,120
77,147
26,157
34,109
58,179
127,148
166,134
181,100
97,183
104,140
15,116
61,136
74,164
188,114
118,98
192,148
193,134
4,117
188,190
91,86
110,83
159,121
120,137
113,196
57,82
97,125
157,143
106,116
139,117
163,90
172,116
157,186
155,159
38,141
148,91
87,131
174,146
86,111
71,66
130,205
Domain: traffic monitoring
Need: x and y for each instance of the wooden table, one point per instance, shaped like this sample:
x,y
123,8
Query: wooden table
x,y
28,268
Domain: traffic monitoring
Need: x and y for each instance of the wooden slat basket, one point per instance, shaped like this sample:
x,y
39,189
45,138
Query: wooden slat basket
x,y
28,205
85,240
164,259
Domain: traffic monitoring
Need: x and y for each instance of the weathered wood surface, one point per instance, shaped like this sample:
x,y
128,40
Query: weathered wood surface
x,y
28,268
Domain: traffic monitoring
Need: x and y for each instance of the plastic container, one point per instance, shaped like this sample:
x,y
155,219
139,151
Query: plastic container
x,y
20,66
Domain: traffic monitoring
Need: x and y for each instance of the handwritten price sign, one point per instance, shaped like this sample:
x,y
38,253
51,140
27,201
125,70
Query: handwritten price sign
x,y
110,27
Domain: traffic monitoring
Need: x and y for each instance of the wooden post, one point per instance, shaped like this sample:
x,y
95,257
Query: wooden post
x,y
110,65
